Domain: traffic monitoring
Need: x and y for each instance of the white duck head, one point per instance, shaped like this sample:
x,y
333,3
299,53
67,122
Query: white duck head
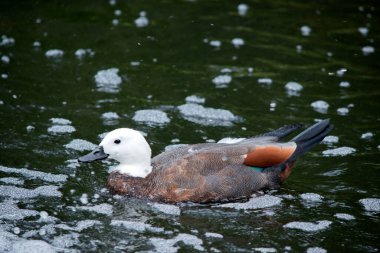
x,y
128,147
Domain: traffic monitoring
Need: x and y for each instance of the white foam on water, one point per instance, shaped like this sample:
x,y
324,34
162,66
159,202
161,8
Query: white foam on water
x,y
48,177
333,173
299,48
30,128
54,53
108,80
330,139
153,117
237,42
309,226
7,41
367,136
229,140
316,250
293,88
341,72
371,204
104,208
207,116
265,250
32,246
320,106
36,44
344,84
22,193
368,50
344,216
264,201
242,9
342,151
5,59
168,209
343,111
60,121
118,12
305,30
80,145
266,81
10,211
12,180
136,226
194,99
215,43
311,197
363,31
66,241
141,21
72,163
222,81
80,226
61,129
167,245
213,235
82,53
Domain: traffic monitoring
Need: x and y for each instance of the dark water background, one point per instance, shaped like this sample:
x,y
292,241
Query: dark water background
x,y
160,65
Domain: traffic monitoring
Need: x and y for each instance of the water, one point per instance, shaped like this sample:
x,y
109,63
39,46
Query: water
x,y
187,72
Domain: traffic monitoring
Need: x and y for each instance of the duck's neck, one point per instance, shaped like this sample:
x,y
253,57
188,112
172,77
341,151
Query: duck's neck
x,y
134,170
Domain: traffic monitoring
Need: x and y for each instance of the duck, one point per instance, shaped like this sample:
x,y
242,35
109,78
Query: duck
x,y
205,172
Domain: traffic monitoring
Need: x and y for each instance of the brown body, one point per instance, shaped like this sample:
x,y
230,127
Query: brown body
x,y
211,172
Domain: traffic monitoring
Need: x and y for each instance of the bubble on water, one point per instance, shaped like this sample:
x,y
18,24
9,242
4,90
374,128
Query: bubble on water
x,y
229,140
141,21
265,250
368,50
104,208
363,31
344,84
117,12
194,99
60,121
309,226
215,43
266,81
320,106
342,151
242,9
12,180
66,241
213,235
151,117
341,72
255,203
136,226
30,128
59,129
80,145
344,216
293,88
36,44
22,193
222,81
305,30
81,53
110,118
371,204
7,41
112,2
316,250
343,111
54,178
108,80
299,48
115,22
168,209
10,211
311,197
4,76
330,139
168,245
5,59
54,53
207,116
367,136
84,199
237,42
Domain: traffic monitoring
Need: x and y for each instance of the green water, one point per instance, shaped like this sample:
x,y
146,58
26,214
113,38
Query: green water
x,y
160,65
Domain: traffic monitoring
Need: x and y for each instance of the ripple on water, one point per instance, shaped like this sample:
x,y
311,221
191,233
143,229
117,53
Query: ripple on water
x,y
255,203
207,116
151,117
308,226
371,204
167,245
108,80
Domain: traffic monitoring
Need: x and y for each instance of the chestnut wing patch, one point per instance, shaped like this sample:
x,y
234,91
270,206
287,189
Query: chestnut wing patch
x,y
266,155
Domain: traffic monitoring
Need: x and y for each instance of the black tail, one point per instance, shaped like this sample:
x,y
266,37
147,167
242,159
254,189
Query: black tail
x,y
283,131
311,137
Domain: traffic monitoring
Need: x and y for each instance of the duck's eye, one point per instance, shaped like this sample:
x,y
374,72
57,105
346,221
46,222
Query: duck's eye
x,y
117,141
